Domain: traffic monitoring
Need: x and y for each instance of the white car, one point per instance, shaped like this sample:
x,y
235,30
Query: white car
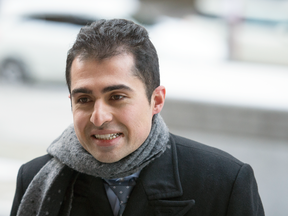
x,y
36,35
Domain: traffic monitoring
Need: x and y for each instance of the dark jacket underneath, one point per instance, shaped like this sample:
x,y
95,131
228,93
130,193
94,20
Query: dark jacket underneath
x,y
188,179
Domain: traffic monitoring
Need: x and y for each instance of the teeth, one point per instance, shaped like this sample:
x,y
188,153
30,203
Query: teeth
x,y
107,136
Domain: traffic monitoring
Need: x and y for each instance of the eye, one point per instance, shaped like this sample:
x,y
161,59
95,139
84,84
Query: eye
x,y
83,100
117,97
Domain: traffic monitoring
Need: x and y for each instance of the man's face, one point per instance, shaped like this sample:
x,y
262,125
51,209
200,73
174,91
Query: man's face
x,y
111,112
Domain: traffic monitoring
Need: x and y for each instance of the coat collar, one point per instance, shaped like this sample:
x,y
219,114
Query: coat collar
x,y
161,178
158,190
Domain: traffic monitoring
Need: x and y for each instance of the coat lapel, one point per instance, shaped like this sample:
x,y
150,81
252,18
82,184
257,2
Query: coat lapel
x,y
158,190
90,197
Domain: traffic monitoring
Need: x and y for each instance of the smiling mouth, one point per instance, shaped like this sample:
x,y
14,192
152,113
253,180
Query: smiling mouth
x,y
107,136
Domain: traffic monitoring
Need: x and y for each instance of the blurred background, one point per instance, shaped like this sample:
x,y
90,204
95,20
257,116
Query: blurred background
x,y
223,62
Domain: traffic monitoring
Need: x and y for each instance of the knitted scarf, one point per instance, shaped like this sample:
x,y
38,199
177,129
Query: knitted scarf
x,y
48,187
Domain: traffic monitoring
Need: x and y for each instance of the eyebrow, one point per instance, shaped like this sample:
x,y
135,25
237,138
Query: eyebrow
x,y
116,87
81,90
104,90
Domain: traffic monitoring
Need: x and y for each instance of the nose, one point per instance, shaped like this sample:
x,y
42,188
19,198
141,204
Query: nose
x,y
101,114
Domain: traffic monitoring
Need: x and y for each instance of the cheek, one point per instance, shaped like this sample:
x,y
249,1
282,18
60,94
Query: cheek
x,y
138,122
80,120
133,115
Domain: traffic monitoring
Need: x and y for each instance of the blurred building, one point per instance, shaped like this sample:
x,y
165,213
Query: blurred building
x,y
257,30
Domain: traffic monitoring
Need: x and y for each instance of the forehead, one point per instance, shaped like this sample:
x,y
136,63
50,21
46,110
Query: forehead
x,y
113,66
111,71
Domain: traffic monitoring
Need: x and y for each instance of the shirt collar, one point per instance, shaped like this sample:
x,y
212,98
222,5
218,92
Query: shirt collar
x,y
126,178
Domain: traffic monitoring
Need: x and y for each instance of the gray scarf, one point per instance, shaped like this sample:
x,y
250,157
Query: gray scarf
x,y
68,155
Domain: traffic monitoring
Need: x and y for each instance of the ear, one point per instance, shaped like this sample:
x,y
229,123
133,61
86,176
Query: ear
x,y
158,99
69,96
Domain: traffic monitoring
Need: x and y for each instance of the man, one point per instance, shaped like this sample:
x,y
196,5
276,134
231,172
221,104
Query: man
x,y
118,136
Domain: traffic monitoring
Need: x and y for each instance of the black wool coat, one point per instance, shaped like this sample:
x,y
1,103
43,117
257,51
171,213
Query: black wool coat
x,y
189,179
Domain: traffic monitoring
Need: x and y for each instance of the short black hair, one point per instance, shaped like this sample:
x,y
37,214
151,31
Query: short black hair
x,y
107,38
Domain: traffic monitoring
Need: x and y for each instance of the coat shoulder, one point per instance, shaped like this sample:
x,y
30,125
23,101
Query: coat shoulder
x,y
200,152
25,175
210,175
